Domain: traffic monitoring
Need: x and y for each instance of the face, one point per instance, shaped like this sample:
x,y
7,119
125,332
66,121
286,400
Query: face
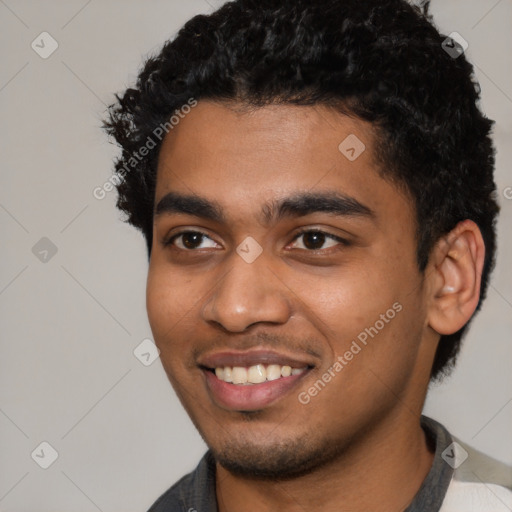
x,y
280,258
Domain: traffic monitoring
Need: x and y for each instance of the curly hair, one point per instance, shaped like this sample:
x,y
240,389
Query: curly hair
x,y
382,61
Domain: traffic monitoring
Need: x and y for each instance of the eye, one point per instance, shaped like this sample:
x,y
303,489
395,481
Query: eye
x,y
190,240
314,240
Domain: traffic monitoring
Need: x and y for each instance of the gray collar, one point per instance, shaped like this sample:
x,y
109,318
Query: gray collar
x,y
433,490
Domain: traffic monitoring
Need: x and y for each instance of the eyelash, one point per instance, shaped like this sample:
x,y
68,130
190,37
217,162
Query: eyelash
x,y
170,241
306,231
342,241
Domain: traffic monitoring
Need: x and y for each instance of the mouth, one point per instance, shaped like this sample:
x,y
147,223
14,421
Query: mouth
x,y
252,381
256,374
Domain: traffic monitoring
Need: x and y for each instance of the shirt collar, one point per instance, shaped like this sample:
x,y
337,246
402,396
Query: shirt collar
x,y
433,490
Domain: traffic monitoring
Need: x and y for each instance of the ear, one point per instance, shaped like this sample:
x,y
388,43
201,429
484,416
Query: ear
x,y
455,276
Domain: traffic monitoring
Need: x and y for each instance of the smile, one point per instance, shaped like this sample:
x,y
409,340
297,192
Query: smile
x,y
252,380
255,374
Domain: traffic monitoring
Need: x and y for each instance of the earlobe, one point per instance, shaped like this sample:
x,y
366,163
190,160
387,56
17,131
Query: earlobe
x,y
455,276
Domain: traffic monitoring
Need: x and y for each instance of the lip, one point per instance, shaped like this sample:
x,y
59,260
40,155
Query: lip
x,y
251,358
251,397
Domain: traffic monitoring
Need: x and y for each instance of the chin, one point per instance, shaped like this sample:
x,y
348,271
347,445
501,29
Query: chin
x,y
281,460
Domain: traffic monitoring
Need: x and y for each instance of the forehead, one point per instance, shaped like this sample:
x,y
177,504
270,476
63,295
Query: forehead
x,y
240,157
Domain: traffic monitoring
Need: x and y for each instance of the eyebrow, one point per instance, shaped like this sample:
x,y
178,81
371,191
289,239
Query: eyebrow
x,y
298,205
189,205
302,204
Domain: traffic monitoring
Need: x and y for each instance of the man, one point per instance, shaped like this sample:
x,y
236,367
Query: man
x,y
315,185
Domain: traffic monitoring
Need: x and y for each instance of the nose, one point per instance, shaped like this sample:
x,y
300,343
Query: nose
x,y
248,294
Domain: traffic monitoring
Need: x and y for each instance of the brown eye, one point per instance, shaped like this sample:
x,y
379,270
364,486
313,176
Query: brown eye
x,y
313,240
190,240
316,240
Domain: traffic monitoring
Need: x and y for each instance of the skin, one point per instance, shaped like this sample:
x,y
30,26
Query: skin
x,y
357,445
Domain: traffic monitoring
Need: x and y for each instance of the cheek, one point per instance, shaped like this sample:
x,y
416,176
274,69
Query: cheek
x,y
159,301
170,308
350,299
377,305
169,300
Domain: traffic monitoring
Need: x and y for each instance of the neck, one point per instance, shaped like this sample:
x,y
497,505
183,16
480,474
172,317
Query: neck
x,y
381,471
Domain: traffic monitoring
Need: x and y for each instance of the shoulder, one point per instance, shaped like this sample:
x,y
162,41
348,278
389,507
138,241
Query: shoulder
x,y
479,483
193,492
171,500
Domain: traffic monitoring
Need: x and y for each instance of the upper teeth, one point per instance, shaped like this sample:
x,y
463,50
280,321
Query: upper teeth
x,y
255,374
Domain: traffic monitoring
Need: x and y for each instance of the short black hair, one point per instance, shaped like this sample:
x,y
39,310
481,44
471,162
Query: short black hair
x,y
382,61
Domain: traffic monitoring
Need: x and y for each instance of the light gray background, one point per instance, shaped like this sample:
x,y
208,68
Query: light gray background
x,y
70,325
